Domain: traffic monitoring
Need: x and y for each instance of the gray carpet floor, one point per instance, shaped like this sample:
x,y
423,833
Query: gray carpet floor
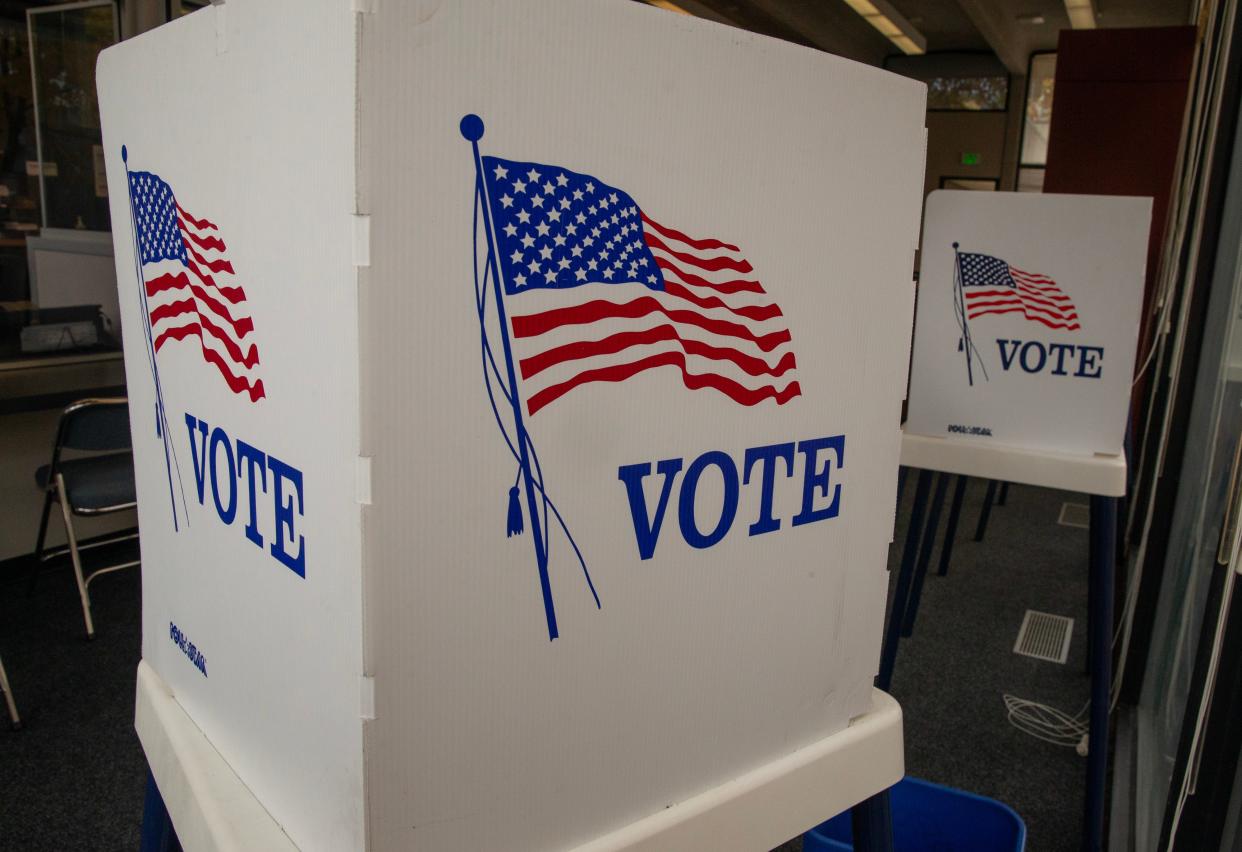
x,y
952,672
73,779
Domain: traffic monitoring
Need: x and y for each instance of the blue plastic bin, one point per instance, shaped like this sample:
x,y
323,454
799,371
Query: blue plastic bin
x,y
930,818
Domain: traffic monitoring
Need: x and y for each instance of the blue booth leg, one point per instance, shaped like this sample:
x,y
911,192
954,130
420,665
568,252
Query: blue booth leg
x,y
157,828
925,552
1100,628
896,615
950,532
872,824
986,511
1088,664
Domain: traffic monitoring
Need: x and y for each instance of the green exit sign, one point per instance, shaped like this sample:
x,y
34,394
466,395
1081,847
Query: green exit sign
x,y
970,158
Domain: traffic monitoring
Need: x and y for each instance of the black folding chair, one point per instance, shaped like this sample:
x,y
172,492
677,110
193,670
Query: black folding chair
x,y
97,480
14,719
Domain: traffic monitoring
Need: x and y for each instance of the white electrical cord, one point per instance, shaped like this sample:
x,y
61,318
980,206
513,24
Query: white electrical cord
x,y
1048,723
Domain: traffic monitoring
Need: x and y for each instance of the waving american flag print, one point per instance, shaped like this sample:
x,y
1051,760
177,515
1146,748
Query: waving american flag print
x,y
599,291
992,286
190,285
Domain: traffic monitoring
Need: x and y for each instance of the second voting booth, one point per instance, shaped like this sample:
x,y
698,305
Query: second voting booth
x,y
1024,356
515,392
1028,319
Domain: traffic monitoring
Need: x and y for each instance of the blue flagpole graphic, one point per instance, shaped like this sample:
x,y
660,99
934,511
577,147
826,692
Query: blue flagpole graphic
x,y
959,303
161,419
964,343
472,130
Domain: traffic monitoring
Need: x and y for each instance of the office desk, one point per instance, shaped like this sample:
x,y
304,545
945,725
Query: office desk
x,y
54,379
40,381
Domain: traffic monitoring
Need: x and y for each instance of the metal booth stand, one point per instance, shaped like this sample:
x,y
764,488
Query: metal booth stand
x,y
1103,477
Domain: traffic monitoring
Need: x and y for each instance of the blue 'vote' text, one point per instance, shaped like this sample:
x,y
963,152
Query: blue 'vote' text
x,y
820,496
1056,359
224,462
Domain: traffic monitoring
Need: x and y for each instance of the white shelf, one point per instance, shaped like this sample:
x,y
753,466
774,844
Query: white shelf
x,y
210,806
1104,475
213,810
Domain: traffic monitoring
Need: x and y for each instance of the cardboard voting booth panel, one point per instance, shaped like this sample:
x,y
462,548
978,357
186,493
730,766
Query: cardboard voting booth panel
x,y
229,147
1028,319
515,395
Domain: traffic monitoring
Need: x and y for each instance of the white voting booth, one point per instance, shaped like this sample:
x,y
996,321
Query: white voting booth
x,y
1024,354
514,390
1028,318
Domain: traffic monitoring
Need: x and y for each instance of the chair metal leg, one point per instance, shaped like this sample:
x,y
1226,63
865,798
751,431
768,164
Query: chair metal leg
x,y
99,542
101,571
39,542
950,532
14,719
986,511
47,511
83,592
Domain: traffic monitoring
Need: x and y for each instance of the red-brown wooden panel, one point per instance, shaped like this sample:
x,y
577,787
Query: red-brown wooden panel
x,y
1117,119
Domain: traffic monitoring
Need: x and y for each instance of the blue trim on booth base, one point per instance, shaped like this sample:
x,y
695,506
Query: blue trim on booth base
x,y
158,834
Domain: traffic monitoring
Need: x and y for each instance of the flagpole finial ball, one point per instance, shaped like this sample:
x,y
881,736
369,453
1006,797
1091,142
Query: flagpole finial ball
x,y
472,127
124,154
955,245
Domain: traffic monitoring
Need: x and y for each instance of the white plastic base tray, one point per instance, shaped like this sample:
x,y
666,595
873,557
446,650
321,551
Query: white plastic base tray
x,y
212,809
1098,474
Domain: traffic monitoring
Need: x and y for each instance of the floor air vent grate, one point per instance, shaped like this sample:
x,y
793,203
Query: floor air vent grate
x,y
1075,515
1044,637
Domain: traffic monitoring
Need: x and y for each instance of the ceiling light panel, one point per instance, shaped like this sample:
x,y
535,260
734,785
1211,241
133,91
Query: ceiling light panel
x,y
1081,14
890,24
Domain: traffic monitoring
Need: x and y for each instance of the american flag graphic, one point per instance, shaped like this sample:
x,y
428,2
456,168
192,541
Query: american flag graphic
x,y
992,286
598,291
190,286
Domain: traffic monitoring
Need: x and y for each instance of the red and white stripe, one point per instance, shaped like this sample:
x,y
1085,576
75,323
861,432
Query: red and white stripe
x,y
713,322
200,299
1037,297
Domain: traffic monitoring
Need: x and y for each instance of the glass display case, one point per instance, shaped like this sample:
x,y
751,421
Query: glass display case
x,y
177,8
19,190
64,42
1036,121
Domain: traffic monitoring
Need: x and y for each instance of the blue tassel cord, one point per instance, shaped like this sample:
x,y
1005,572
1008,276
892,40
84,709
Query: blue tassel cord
x,y
515,513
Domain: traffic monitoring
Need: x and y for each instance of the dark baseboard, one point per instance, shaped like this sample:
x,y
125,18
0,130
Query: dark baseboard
x,y
20,567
